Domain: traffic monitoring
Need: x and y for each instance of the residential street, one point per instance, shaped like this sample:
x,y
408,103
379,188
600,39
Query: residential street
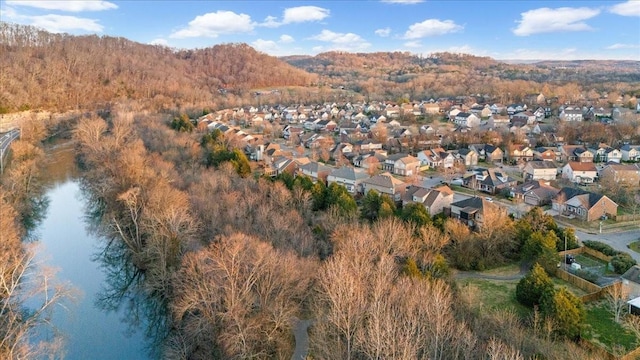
x,y
617,240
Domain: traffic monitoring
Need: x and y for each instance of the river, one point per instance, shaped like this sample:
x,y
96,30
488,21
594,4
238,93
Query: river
x,y
92,327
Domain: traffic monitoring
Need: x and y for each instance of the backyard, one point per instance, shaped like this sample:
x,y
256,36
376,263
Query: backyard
x,y
601,329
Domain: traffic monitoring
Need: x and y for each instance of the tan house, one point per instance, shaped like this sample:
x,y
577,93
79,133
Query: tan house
x,y
583,204
407,166
385,184
520,153
468,157
540,170
472,211
534,192
576,153
434,200
626,175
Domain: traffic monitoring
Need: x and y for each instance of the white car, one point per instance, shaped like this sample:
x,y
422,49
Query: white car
x,y
489,199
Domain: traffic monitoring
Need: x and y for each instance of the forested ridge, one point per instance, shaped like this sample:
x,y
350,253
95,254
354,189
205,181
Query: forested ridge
x,y
41,70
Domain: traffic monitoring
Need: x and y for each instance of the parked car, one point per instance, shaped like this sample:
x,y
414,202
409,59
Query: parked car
x,y
570,259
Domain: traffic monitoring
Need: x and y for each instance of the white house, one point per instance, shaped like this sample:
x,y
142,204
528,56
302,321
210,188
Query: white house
x,y
467,119
630,152
580,172
540,170
571,114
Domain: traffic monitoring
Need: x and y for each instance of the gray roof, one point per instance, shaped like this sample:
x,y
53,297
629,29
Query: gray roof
x,y
540,164
315,167
384,180
349,173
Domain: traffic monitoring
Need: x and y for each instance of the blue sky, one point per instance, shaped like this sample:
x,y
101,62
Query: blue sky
x,y
507,30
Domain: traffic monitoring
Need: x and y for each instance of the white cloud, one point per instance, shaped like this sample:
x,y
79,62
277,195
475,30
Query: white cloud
x,y
432,27
298,14
341,41
71,6
216,23
406,2
286,39
270,22
545,20
413,44
276,48
266,46
62,23
304,13
383,32
629,8
159,41
623,46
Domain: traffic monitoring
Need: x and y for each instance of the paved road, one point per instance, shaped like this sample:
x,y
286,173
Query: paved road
x,y
5,141
7,138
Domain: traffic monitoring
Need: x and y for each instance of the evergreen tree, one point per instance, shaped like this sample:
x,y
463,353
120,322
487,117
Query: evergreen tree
x,y
531,287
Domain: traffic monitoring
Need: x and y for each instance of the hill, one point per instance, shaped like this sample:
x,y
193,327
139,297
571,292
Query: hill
x,y
60,71
402,74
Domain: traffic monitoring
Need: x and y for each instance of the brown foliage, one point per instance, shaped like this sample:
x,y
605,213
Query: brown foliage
x,y
236,299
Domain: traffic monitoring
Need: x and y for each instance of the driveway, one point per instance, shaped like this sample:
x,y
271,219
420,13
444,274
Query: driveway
x,y
301,335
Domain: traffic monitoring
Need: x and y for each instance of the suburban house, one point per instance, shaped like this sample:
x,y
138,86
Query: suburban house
x,y
498,121
605,153
521,153
385,184
436,158
369,145
576,153
467,119
402,164
315,170
490,181
349,177
516,108
468,157
580,172
434,200
471,211
546,154
583,204
534,192
431,108
526,117
540,170
371,160
487,152
626,175
630,152
571,114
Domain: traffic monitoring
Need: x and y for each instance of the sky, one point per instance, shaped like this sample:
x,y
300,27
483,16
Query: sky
x,y
504,30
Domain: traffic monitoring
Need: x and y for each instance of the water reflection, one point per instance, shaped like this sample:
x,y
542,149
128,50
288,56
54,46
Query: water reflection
x,y
123,289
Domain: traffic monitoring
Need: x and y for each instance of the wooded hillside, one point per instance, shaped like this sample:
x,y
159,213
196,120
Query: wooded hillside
x,y
60,71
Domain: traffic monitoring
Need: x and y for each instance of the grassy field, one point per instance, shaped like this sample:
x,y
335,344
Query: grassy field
x,y
603,330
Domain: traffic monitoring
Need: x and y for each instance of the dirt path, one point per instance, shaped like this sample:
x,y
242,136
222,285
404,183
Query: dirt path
x,y
524,269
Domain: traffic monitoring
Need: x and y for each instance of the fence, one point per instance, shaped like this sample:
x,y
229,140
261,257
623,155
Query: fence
x,y
578,281
627,217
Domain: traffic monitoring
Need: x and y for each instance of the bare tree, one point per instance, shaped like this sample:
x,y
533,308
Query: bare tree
x,y
617,296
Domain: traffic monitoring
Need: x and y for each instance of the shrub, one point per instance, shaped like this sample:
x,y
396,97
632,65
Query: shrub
x,y
622,262
602,247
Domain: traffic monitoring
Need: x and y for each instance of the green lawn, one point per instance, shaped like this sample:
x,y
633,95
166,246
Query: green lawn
x,y
495,294
635,246
601,329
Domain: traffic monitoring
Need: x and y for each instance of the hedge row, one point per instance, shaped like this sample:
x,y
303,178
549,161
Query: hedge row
x,y
621,261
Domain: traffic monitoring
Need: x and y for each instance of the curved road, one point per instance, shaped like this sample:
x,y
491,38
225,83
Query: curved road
x,y
5,141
